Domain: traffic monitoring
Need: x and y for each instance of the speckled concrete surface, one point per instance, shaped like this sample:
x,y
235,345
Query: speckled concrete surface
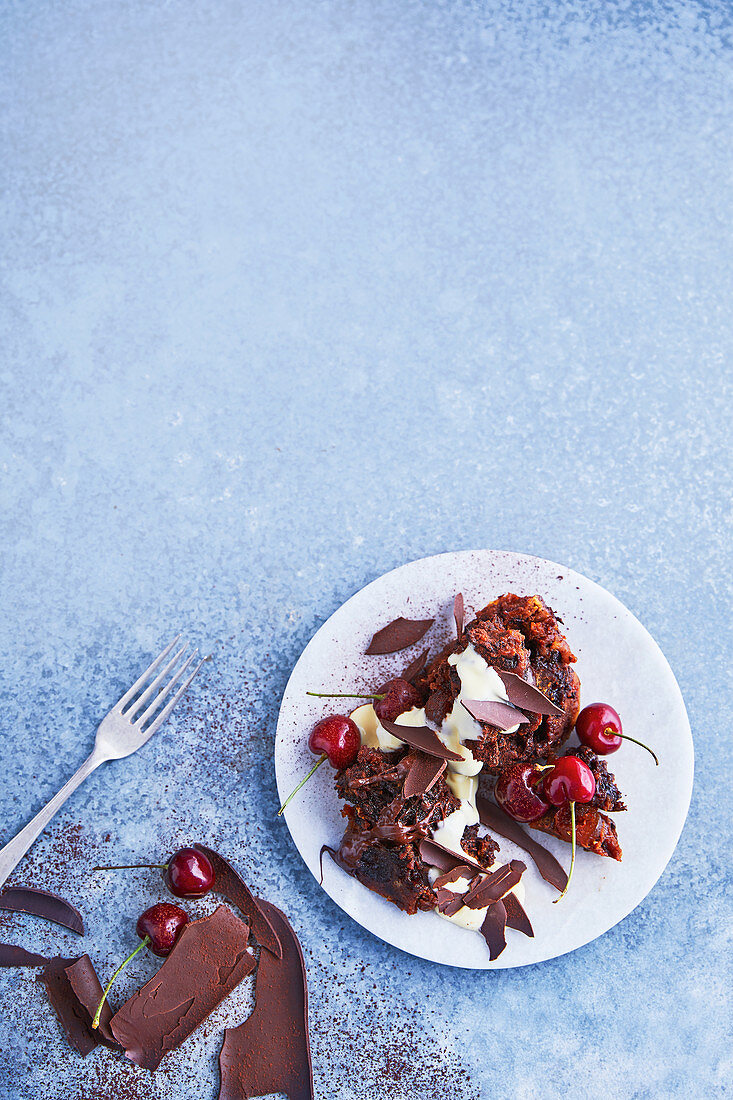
x,y
292,293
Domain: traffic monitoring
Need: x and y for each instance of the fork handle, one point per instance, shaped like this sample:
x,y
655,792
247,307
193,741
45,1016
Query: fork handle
x,y
13,852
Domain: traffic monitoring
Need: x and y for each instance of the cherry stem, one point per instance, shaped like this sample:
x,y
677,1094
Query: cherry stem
x,y
572,857
145,941
292,794
625,737
128,866
341,695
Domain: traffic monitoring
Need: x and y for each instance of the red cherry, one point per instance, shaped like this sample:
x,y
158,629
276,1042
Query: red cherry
x,y
189,873
398,695
162,924
570,780
599,727
337,739
517,792
158,927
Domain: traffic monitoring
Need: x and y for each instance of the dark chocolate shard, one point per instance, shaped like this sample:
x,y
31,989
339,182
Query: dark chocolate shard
x,y
493,929
11,955
493,817
41,903
493,886
458,613
424,773
516,916
415,667
527,696
455,873
73,1017
422,738
87,989
436,855
500,715
231,886
397,635
448,902
210,958
270,1051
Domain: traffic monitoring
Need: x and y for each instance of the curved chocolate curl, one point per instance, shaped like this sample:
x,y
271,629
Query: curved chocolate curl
x,y
397,635
74,991
422,738
232,886
516,916
424,773
270,1051
496,714
493,929
525,695
494,818
41,903
459,613
415,667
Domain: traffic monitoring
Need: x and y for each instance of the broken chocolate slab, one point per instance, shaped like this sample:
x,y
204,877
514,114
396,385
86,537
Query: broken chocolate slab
x,y
231,886
455,873
422,738
448,902
527,696
493,886
11,955
210,958
397,635
500,715
493,817
87,989
415,667
493,929
41,903
516,917
74,991
436,855
424,773
270,1052
458,613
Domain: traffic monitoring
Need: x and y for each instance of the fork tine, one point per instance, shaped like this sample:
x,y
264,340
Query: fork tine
x,y
148,671
142,719
137,706
170,705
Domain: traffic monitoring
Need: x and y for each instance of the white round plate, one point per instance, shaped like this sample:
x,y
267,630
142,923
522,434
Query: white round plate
x,y
618,662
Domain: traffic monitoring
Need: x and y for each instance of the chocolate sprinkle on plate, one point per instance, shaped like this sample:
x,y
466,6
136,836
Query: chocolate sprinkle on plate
x,y
209,959
525,695
424,773
500,715
231,886
41,903
458,613
397,635
493,929
422,738
270,1051
493,817
12,955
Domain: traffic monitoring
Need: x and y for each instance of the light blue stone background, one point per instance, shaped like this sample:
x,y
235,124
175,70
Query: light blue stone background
x,y
293,292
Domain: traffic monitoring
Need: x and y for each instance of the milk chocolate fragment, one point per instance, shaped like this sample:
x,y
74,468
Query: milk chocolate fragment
x,y
72,1015
415,667
493,929
493,817
397,635
516,917
13,956
87,989
228,883
448,902
455,873
527,696
270,1051
458,613
493,886
422,738
423,774
40,903
500,715
208,961
436,855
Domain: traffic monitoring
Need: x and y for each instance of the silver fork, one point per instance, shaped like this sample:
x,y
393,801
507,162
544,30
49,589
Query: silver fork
x,y
121,732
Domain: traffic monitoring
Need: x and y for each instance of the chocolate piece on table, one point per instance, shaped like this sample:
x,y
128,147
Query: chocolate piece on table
x,y
13,956
270,1051
415,667
493,817
458,613
75,991
436,855
527,696
208,961
397,635
496,714
231,886
423,774
516,917
87,989
422,738
41,903
493,886
493,929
